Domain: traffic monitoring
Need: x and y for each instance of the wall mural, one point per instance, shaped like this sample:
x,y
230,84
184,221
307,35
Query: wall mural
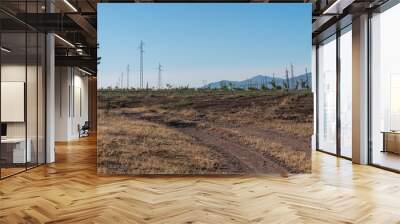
x,y
204,89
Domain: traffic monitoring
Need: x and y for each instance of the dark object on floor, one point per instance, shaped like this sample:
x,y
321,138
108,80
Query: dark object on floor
x,y
84,130
3,129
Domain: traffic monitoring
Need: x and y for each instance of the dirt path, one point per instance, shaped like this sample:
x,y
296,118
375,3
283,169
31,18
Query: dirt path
x,y
249,160
228,125
241,159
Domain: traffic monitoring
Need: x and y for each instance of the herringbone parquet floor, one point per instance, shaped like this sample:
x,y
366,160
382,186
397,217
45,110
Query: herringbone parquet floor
x,y
70,191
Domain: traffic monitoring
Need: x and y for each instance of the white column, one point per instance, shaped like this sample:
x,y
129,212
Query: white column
x,y
360,90
50,100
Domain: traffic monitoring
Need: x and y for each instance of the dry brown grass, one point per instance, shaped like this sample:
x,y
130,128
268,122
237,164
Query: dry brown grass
x,y
303,129
297,161
144,137
130,146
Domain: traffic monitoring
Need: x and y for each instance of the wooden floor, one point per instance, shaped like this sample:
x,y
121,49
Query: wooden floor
x,y
70,191
387,159
5,172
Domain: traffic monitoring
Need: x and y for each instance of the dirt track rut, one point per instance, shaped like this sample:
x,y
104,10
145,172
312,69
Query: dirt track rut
x,y
249,160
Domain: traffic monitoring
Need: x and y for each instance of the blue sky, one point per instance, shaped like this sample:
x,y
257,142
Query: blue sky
x,y
198,42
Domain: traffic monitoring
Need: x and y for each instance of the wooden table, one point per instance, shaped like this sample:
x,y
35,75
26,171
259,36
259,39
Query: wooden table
x,y
391,141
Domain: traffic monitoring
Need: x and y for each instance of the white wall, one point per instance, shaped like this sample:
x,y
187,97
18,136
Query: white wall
x,y
11,73
81,108
71,87
62,83
13,100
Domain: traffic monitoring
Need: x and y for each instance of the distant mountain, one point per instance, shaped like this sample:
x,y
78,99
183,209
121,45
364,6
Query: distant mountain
x,y
263,80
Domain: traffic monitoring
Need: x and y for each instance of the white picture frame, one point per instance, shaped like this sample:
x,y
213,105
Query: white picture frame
x,y
12,101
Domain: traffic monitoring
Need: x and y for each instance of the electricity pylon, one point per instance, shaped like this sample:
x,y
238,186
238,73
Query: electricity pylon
x,y
127,77
292,75
141,50
159,76
122,80
306,76
204,83
287,78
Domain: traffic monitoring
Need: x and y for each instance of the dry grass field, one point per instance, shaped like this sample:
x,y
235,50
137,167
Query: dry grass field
x,y
204,132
